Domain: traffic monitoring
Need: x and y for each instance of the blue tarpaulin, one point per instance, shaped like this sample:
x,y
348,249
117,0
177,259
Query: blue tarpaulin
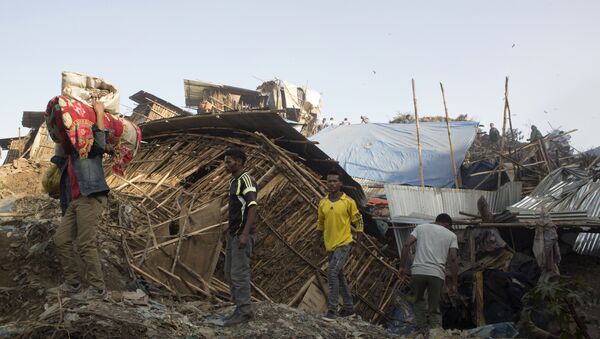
x,y
388,152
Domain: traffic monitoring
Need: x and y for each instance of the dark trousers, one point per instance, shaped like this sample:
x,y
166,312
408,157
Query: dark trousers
x,y
237,272
337,280
430,316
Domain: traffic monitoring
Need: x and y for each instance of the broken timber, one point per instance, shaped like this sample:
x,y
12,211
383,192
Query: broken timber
x,y
289,191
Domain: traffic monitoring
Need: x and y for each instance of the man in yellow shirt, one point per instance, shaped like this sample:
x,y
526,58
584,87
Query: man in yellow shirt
x,y
337,212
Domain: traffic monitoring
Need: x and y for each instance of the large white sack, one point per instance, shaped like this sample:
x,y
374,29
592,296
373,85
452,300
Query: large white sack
x,y
81,87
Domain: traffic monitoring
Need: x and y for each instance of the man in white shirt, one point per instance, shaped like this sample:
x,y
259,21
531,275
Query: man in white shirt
x,y
436,244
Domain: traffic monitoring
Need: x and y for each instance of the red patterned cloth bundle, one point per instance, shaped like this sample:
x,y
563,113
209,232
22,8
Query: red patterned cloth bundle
x,y
70,124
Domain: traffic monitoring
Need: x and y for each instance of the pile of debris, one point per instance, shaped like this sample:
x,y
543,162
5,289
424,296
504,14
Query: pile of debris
x,y
22,177
525,162
164,232
299,105
29,263
121,316
179,180
133,308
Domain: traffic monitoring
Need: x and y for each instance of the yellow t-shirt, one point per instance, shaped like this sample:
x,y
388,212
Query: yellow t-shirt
x,y
335,218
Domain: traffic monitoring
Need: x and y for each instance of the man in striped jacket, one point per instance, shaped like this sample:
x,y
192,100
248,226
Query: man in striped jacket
x,y
241,235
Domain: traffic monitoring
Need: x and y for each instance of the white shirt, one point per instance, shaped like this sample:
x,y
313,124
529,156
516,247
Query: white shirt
x,y
433,244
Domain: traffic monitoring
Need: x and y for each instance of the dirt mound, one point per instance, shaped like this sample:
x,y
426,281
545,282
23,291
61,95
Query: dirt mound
x,y
28,260
22,178
117,317
29,266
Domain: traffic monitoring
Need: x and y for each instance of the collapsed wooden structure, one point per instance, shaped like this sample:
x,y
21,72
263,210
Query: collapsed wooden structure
x,y
179,185
35,145
151,107
528,163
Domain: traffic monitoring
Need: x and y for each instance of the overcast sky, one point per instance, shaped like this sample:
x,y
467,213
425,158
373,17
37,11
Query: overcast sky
x,y
360,55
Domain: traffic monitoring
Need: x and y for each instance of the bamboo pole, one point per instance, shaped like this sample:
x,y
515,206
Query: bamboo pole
x,y
533,144
207,286
456,176
288,185
503,137
185,236
592,163
512,131
307,261
156,280
418,134
180,239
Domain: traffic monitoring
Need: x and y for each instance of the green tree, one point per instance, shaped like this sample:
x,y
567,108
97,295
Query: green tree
x,y
409,118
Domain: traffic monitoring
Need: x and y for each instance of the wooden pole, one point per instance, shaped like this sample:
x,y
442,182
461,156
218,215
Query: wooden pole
x,y
456,176
512,131
20,143
503,137
418,135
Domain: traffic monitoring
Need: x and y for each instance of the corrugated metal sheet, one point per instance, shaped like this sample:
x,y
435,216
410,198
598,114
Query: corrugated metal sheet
x,y
588,244
563,190
426,203
566,193
401,235
371,187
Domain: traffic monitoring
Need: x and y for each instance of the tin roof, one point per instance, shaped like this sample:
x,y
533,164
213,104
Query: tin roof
x,y
142,97
567,194
412,205
564,190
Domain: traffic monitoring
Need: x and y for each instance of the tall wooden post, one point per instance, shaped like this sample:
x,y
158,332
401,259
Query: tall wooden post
x,y
456,176
20,144
512,131
503,136
418,135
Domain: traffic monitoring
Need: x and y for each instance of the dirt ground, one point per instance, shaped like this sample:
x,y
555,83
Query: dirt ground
x,y
29,266
585,269
22,178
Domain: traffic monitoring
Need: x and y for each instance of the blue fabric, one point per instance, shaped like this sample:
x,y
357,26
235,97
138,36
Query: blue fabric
x,y
388,152
90,175
89,172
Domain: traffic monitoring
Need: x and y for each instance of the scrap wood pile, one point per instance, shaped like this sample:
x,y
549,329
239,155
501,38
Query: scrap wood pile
x,y
179,182
526,162
29,266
